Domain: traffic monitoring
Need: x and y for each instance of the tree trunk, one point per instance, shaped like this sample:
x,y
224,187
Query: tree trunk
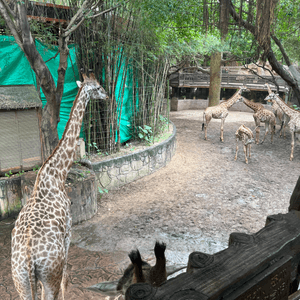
x,y
276,66
215,79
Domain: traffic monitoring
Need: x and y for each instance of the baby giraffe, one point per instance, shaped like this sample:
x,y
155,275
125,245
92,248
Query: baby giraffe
x,y
245,135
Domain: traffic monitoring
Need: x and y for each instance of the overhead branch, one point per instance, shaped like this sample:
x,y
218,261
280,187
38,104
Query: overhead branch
x,y
262,77
11,23
106,11
278,43
276,66
9,11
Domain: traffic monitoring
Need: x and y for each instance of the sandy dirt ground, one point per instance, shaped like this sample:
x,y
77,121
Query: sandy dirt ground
x,y
193,204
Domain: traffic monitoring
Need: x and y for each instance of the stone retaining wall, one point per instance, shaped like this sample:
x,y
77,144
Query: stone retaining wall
x,y
115,172
81,184
81,187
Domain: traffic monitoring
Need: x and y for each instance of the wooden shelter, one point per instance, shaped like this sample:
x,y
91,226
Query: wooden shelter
x,y
232,78
20,138
48,12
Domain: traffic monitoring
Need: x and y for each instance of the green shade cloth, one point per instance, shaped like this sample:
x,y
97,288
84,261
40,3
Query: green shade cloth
x,y
15,70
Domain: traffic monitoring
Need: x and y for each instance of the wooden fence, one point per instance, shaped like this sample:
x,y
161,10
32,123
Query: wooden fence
x,y
230,81
264,265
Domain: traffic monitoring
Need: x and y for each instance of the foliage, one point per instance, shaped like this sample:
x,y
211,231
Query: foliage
x,y
145,133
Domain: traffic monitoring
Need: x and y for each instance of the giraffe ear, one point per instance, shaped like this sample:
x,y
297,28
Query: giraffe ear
x,y
79,84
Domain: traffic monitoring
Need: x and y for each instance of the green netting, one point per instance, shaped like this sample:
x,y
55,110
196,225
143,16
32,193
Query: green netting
x,y
15,70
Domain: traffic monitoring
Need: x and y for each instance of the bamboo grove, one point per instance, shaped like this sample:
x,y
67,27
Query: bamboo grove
x,y
124,59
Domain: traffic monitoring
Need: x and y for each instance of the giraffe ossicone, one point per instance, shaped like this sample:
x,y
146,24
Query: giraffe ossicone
x,y
42,232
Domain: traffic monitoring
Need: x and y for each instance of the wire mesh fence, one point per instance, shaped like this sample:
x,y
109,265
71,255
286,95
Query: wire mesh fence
x,y
132,72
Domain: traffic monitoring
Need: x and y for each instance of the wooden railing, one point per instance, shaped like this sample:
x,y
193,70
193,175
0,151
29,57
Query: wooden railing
x,y
253,82
264,265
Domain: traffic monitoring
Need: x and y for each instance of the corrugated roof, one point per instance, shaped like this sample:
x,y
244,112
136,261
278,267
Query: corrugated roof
x,y
19,97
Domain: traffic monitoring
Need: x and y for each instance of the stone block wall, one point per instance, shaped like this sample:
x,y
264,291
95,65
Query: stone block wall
x,y
81,187
115,172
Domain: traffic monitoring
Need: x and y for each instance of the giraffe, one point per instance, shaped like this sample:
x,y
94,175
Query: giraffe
x,y
261,115
245,135
279,114
294,115
220,112
42,232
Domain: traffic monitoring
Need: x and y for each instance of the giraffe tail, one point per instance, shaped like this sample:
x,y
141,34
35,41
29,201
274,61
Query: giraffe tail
x,y
31,268
203,121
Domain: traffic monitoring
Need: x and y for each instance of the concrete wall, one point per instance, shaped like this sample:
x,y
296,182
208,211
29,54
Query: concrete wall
x,y
115,172
81,187
186,104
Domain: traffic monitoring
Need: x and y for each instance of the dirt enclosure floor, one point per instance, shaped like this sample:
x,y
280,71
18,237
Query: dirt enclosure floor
x,y
193,204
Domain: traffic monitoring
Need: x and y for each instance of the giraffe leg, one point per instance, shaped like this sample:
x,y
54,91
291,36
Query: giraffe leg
x,y
266,131
257,130
207,120
222,128
272,131
22,284
245,152
237,148
292,145
280,130
52,282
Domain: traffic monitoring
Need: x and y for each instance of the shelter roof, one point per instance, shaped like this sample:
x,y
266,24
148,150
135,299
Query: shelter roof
x,y
19,97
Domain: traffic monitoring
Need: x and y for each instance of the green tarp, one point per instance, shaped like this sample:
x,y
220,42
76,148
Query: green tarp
x,y
15,70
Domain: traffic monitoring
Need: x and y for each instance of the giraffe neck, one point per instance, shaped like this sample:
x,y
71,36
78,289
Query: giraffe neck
x,y
286,109
55,169
252,105
233,99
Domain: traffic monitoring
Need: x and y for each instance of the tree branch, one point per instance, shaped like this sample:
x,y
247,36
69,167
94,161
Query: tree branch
x,y
286,58
11,25
108,10
53,57
276,66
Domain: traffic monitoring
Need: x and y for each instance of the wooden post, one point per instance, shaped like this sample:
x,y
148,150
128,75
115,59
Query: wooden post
x,y
295,198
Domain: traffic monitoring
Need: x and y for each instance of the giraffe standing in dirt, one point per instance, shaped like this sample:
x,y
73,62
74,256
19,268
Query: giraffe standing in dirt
x,y
220,112
294,115
41,237
279,114
261,115
245,135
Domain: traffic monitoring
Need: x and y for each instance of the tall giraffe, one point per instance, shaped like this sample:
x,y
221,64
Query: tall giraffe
x,y
279,114
42,233
294,115
261,115
220,112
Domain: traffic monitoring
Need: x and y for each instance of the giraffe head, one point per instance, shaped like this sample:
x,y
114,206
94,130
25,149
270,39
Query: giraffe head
x,y
243,88
92,88
240,99
249,141
272,97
